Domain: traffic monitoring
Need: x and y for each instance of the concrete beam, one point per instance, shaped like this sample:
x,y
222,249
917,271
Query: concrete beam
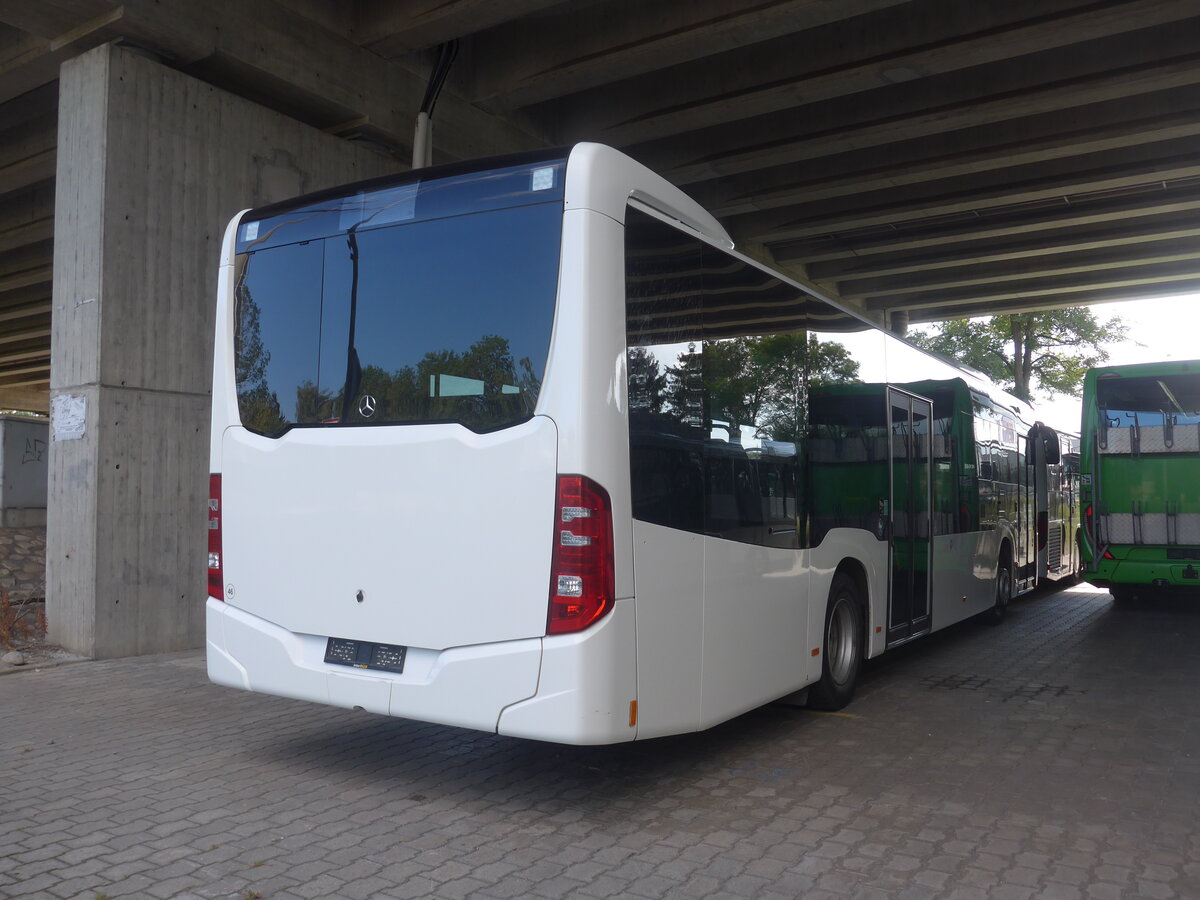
x,y
1133,277
1008,91
1081,132
916,40
1066,214
33,61
275,57
1033,303
28,352
394,27
580,48
968,195
13,375
28,172
31,332
22,235
25,258
1090,236
50,18
26,399
23,278
270,52
1081,262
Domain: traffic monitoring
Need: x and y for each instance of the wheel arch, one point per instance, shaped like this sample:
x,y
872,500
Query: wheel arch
x,y
856,571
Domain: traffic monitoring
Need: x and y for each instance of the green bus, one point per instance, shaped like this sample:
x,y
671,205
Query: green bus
x,y
1140,477
997,490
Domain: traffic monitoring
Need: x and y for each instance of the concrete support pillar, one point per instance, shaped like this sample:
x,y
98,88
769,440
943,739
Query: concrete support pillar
x,y
898,322
151,166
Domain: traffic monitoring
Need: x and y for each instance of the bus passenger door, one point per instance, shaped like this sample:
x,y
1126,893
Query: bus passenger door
x,y
909,424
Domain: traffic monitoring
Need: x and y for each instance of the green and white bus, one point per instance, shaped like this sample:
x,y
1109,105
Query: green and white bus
x,y
1141,477
526,446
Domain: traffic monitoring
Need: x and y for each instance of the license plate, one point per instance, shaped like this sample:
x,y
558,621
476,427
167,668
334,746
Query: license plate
x,y
365,655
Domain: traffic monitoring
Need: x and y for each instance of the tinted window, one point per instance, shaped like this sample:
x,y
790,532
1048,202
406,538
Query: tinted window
x,y
1166,399
420,320
720,366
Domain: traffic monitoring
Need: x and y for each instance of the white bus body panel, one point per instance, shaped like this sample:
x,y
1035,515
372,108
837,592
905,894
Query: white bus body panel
x,y
464,686
964,576
756,636
587,684
670,604
393,534
724,627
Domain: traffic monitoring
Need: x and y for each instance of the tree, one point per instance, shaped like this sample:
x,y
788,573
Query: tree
x,y
259,405
1049,350
756,382
647,381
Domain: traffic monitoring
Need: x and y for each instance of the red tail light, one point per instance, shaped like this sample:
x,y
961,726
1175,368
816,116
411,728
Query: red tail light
x,y
216,583
1089,522
581,574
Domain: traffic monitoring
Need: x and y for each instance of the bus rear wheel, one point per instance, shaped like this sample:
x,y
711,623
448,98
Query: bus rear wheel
x,y
995,615
843,655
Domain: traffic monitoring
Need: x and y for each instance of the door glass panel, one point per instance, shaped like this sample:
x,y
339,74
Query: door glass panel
x,y
919,504
902,513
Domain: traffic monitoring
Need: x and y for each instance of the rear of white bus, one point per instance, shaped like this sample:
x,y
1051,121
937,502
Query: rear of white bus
x,y
419,500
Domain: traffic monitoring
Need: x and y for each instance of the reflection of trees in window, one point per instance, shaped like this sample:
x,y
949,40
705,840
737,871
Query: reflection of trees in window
x,y
315,405
647,381
259,406
482,387
756,382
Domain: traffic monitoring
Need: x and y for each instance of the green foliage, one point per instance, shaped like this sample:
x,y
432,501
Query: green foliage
x,y
1049,350
761,382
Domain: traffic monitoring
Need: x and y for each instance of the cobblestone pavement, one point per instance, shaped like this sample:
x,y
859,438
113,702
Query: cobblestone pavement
x,y
1057,756
23,562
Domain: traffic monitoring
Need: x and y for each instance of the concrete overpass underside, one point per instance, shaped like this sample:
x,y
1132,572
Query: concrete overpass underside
x,y
927,158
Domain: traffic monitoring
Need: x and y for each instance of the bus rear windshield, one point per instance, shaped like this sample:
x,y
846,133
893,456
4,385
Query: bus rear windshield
x,y
1151,400
418,302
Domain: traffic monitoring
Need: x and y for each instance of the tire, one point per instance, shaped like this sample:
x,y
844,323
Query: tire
x,y
996,614
843,646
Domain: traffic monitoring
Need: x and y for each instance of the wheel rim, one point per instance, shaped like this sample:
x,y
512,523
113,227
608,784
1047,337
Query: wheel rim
x,y
841,644
1003,587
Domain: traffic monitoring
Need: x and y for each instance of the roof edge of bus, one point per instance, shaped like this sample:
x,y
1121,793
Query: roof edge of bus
x,y
591,186
444,170
1155,367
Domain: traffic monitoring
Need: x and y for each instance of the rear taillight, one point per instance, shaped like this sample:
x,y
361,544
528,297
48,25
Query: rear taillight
x,y
1089,523
581,575
215,581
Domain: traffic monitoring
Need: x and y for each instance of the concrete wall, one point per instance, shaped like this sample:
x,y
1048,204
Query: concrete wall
x,y
24,468
151,166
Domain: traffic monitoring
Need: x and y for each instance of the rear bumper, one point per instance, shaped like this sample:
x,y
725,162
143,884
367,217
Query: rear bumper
x,y
570,689
1152,572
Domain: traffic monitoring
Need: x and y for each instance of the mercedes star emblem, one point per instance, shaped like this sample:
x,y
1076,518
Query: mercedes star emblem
x,y
366,406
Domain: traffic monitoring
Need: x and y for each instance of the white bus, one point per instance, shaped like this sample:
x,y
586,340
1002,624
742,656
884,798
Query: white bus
x,y
525,446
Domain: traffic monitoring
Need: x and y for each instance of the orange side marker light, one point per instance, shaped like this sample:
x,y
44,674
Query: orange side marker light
x,y
632,713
